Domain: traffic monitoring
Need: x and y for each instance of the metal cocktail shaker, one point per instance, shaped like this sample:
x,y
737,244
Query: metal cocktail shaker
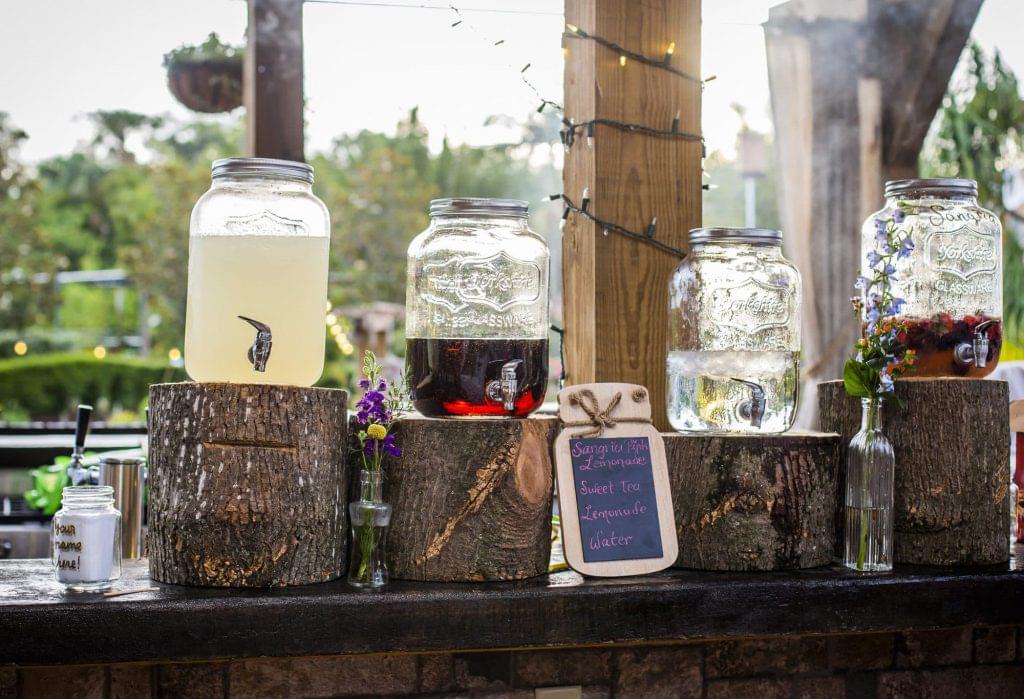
x,y
125,474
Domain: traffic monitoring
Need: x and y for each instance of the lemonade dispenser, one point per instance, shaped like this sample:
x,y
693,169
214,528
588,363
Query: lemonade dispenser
x,y
257,275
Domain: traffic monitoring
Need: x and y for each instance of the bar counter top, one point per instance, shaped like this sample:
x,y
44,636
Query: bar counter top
x,y
42,624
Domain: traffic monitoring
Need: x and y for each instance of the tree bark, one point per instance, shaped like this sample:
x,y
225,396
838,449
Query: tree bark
x,y
247,484
757,502
952,467
471,499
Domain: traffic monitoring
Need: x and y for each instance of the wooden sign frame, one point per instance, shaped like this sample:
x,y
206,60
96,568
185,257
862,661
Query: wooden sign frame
x,y
629,416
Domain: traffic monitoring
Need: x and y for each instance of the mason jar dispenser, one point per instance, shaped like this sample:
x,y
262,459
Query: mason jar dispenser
x,y
257,275
949,275
734,334
477,311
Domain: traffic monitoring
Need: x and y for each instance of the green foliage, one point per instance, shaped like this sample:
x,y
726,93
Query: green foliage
x,y
213,49
978,133
50,386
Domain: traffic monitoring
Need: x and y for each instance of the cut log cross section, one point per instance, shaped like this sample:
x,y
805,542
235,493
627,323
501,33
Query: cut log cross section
x,y
247,484
952,484
471,499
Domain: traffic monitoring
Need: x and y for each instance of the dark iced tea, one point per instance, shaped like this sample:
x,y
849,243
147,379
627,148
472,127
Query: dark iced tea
x,y
450,377
935,339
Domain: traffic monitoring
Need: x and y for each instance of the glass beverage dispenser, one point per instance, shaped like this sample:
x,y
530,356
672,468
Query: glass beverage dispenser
x,y
949,276
257,275
477,311
734,334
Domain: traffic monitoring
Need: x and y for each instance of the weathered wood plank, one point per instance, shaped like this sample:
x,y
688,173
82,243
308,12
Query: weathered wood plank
x,y
616,289
272,84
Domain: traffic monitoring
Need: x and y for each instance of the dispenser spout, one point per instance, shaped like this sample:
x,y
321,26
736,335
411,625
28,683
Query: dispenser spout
x,y
505,390
753,408
974,352
77,472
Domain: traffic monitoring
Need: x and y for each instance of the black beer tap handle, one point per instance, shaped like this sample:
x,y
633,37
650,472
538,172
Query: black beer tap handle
x,y
82,426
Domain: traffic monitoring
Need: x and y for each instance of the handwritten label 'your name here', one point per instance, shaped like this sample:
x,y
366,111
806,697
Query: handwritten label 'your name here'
x,y
615,498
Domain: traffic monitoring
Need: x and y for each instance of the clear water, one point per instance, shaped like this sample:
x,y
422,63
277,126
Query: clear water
x,y
868,539
703,395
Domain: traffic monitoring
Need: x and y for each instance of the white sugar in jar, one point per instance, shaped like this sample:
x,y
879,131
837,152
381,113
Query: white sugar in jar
x,y
87,538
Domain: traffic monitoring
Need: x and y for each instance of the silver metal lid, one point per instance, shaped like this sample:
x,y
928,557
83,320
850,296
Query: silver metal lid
x,y
122,460
751,236
262,167
473,206
938,186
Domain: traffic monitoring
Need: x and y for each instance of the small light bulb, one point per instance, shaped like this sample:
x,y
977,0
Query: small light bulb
x,y
622,61
174,354
99,351
671,48
572,27
328,307
20,348
331,319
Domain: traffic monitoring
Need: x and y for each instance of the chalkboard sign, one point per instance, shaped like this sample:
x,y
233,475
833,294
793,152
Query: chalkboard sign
x,y
614,497
615,501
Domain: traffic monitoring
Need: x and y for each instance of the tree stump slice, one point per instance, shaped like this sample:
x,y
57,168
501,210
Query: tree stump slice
x,y
754,502
471,499
247,484
952,467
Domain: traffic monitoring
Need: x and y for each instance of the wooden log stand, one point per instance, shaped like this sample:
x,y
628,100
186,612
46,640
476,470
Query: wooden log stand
x,y
471,499
247,484
754,502
952,466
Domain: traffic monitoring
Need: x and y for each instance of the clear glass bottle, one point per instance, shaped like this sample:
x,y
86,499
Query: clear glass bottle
x,y
87,538
369,517
477,311
870,470
952,278
257,275
734,334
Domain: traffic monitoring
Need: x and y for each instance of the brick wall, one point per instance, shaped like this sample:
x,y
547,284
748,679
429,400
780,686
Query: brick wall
x,y
958,663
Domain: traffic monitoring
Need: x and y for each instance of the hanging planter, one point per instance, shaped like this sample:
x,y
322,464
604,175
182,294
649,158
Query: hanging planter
x,y
206,78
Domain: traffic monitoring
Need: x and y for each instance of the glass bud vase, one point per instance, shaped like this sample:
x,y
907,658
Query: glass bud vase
x,y
369,517
870,467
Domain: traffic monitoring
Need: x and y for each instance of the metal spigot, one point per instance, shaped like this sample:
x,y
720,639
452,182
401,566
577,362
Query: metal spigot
x,y
77,472
752,409
975,352
259,351
506,389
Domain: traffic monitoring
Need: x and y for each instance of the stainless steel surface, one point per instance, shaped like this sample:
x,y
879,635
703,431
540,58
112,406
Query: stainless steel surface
x,y
939,186
262,167
473,206
752,236
29,540
125,474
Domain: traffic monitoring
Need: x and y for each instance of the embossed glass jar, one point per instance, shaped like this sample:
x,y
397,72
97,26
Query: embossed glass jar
x,y
734,334
477,311
951,281
257,275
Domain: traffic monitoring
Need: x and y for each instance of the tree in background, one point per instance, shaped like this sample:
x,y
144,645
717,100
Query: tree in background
x,y
979,134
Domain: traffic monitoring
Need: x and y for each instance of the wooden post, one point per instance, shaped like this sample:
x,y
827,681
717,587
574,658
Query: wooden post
x,y
855,85
616,289
273,80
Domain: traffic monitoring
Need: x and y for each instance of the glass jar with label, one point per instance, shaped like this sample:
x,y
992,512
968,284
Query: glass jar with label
x,y
734,334
477,311
87,538
257,275
950,279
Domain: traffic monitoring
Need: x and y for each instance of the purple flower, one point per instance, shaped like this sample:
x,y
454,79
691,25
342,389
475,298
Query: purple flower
x,y
889,270
899,216
880,227
364,384
874,259
861,283
897,305
372,446
872,315
906,247
373,408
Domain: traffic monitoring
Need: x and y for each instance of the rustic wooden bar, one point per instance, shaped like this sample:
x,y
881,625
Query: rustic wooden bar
x,y
42,625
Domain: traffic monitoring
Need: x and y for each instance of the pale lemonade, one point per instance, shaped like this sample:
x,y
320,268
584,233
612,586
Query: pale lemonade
x,y
279,281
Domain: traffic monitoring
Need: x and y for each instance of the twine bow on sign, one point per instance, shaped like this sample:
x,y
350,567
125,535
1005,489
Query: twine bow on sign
x,y
598,419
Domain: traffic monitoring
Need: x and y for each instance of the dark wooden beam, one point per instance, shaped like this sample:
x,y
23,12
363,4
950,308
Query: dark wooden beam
x,y
273,80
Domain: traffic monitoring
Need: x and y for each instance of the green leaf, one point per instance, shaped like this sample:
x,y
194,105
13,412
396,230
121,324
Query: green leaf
x,y
857,379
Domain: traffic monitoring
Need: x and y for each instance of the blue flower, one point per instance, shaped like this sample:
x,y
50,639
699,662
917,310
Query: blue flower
x,y
861,283
899,216
886,384
897,305
906,247
889,270
874,259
